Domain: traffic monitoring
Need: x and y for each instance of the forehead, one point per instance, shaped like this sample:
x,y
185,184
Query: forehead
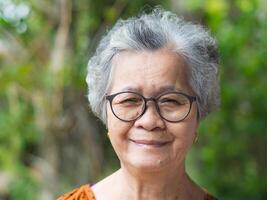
x,y
149,71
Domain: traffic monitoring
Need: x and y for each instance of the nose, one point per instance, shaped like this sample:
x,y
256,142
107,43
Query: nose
x,y
151,119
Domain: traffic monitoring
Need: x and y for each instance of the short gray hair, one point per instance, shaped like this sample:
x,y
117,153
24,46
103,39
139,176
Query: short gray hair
x,y
152,31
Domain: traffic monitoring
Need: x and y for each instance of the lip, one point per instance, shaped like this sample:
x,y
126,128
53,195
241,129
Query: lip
x,y
152,143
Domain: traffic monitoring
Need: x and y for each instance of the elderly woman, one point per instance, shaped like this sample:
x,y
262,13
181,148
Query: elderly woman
x,y
152,80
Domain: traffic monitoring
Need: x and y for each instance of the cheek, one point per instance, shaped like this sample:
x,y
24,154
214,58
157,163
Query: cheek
x,y
184,135
118,134
117,129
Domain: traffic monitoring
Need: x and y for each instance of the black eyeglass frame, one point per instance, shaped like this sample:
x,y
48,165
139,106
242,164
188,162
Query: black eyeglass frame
x,y
155,99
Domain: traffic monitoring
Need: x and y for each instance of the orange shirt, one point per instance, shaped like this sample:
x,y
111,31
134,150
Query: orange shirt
x,y
85,193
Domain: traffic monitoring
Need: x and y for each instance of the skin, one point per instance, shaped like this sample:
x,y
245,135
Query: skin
x,y
147,170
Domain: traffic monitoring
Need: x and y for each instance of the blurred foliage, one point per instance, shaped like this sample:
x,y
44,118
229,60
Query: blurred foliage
x,y
229,158
231,152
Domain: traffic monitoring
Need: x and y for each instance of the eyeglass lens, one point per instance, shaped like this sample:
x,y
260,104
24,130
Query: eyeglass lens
x,y
129,106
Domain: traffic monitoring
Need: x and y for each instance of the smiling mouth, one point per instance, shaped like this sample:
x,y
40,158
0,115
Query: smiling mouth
x,y
150,143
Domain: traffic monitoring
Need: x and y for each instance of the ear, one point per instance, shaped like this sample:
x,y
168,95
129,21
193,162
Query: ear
x,y
196,137
197,126
197,121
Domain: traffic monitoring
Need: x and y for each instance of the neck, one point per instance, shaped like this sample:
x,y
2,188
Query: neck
x,y
154,185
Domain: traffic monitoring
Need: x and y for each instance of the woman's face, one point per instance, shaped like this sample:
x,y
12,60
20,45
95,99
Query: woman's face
x,y
150,73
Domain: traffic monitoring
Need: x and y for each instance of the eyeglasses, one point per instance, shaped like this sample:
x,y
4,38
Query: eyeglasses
x,y
171,106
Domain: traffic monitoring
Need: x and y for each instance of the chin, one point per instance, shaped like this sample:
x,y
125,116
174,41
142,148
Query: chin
x,y
147,163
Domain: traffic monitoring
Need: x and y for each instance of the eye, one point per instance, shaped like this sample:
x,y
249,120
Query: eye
x,y
132,100
171,101
127,99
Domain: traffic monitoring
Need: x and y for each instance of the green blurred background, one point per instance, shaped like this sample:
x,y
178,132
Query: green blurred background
x,y
49,140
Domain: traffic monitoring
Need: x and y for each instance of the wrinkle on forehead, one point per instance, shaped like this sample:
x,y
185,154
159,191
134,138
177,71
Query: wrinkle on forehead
x,y
147,67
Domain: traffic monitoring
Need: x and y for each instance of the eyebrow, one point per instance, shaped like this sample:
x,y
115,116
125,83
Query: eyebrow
x,y
168,88
130,89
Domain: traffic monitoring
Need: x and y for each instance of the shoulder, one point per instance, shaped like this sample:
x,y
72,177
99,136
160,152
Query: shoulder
x,y
82,193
